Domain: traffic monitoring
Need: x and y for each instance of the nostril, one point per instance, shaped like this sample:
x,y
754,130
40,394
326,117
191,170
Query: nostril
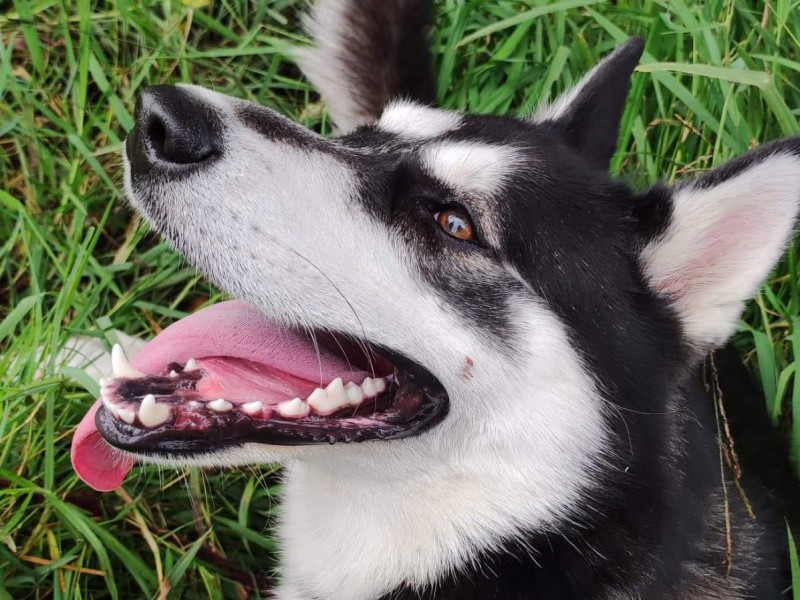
x,y
157,134
176,137
173,127
185,146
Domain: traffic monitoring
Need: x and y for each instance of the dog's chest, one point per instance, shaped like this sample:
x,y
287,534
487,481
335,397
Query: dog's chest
x,y
356,541
361,539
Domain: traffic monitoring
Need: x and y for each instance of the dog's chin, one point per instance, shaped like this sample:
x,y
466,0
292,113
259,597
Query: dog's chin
x,y
253,387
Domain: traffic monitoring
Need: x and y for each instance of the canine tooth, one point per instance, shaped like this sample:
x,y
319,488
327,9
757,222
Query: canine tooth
x,y
293,408
369,387
173,374
319,401
120,364
220,405
252,408
191,365
127,415
152,414
354,393
336,394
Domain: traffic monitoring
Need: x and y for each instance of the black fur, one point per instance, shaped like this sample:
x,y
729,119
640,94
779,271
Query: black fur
x,y
741,163
643,541
574,235
387,53
591,124
658,524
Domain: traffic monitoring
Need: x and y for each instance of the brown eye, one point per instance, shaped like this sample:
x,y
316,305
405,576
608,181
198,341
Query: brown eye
x,y
456,223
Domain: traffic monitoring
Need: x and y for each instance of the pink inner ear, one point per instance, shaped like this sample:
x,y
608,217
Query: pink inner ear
x,y
716,251
671,285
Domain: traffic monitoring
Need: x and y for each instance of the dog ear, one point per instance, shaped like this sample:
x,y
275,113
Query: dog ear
x,y
588,116
367,53
719,237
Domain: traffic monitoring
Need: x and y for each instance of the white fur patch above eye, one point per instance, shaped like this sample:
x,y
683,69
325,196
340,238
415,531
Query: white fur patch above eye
x,y
416,122
472,168
721,243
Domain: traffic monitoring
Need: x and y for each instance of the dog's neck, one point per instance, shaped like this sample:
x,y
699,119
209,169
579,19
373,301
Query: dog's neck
x,y
356,534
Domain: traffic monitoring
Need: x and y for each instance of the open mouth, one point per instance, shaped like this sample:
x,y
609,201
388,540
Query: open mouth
x,y
226,376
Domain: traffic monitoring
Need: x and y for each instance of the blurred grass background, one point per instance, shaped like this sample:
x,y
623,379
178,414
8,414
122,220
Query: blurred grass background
x,y
717,78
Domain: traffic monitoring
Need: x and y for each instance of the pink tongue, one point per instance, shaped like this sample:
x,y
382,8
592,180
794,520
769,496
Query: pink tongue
x,y
226,329
95,460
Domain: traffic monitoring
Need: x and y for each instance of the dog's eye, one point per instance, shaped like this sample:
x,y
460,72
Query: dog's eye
x,y
456,223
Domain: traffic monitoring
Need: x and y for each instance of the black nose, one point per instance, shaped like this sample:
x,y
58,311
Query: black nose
x,y
173,129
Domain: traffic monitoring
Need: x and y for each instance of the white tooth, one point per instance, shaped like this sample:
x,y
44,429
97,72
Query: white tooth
x,y
127,415
369,387
110,406
354,393
152,414
319,401
252,408
120,364
336,394
220,405
191,365
173,374
380,385
295,408
104,382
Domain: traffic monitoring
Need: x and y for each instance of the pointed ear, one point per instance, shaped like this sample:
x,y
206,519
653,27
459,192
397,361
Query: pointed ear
x,y
367,53
588,116
724,233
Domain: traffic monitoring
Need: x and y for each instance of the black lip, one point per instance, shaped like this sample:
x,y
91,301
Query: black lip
x,y
237,429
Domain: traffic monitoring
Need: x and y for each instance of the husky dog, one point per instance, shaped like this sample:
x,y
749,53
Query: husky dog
x,y
475,352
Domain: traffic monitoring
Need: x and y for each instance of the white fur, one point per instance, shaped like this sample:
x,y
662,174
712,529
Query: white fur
x,y
523,436
325,63
413,121
722,242
560,106
552,111
471,168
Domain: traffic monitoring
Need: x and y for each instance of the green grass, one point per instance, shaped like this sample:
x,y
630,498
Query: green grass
x,y
717,78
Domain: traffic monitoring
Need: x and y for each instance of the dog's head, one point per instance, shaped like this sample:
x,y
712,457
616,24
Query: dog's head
x,y
468,295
